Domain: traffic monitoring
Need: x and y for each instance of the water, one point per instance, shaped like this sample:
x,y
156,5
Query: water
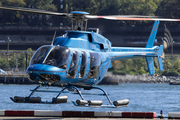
x,y
142,97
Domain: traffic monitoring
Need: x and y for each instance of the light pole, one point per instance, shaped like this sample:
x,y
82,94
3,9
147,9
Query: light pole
x,y
9,40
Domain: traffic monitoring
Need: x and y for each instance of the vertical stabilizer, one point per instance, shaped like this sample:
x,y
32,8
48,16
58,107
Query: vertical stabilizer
x,y
152,36
160,58
150,65
150,44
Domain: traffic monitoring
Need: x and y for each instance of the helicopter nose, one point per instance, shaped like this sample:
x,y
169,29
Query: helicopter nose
x,y
42,67
44,73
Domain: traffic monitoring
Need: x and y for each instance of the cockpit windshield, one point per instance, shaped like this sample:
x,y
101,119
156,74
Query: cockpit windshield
x,y
39,55
58,56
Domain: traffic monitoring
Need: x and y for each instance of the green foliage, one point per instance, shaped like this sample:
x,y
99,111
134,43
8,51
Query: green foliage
x,y
138,7
176,65
178,71
14,17
165,8
170,73
141,71
119,72
19,3
169,8
22,59
167,64
42,4
138,66
114,7
2,63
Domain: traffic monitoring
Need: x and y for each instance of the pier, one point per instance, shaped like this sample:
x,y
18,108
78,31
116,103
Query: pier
x,y
18,79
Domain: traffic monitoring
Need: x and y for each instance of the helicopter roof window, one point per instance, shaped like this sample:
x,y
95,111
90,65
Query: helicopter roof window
x,y
39,55
58,56
77,35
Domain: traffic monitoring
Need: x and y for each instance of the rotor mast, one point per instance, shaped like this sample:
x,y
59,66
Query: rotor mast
x,y
79,17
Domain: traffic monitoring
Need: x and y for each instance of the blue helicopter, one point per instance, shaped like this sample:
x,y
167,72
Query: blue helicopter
x,y
80,59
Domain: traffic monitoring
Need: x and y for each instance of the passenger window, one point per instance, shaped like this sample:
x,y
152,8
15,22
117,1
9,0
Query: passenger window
x,y
74,65
83,65
94,65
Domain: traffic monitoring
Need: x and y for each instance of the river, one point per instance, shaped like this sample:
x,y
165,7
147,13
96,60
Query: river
x,y
143,97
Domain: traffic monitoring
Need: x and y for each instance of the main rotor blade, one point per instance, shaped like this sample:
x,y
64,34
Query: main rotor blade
x,y
121,16
131,17
30,10
111,17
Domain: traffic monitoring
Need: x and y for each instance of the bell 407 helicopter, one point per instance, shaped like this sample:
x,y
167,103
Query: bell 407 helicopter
x,y
81,58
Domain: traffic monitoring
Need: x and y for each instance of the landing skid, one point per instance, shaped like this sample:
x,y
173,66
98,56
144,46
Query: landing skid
x,y
56,100
97,103
63,99
103,106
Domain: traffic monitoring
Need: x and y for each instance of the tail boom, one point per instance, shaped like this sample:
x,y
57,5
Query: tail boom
x,y
120,53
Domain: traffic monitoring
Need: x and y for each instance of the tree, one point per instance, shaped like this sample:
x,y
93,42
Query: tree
x,y
18,3
141,71
41,4
2,63
10,16
116,64
38,19
176,65
169,9
167,64
15,16
138,7
29,55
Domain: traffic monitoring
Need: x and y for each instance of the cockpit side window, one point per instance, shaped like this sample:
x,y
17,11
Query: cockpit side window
x,y
74,65
58,56
83,65
94,65
39,55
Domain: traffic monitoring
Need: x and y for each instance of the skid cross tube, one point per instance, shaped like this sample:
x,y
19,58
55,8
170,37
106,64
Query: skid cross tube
x,y
104,94
54,100
27,98
49,91
79,92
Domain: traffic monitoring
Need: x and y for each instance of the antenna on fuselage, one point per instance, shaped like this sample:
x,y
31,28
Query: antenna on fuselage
x,y
53,37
